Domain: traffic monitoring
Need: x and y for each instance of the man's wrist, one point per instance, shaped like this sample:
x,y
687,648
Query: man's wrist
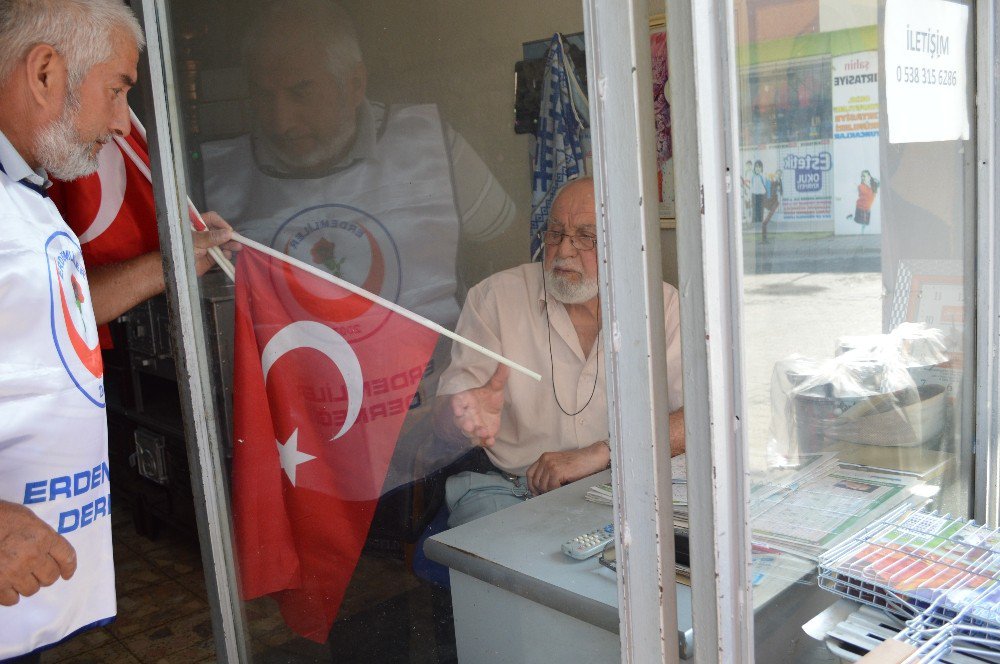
x,y
607,444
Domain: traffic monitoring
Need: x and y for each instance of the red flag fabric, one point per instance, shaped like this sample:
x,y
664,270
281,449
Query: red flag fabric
x,y
112,210
324,379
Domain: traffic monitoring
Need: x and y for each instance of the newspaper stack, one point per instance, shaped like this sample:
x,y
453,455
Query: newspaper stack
x,y
601,493
809,508
804,506
678,468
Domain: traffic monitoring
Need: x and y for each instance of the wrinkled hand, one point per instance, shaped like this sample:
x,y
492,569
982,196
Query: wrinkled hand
x,y
477,411
32,554
554,469
218,233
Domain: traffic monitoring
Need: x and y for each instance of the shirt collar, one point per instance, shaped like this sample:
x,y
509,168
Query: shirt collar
x,y
540,287
17,168
371,118
559,323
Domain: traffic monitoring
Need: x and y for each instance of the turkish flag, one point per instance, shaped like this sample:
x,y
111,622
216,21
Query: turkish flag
x,y
323,380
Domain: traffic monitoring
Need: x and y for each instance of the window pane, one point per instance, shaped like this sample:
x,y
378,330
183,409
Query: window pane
x,y
857,290
376,143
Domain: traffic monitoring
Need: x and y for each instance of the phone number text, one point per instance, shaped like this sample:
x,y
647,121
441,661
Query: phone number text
x,y
926,76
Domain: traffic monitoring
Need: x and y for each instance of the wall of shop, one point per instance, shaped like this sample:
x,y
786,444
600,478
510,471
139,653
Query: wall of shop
x,y
448,52
461,56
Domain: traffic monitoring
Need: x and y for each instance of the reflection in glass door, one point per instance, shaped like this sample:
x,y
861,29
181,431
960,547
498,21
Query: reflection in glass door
x,y
857,225
374,142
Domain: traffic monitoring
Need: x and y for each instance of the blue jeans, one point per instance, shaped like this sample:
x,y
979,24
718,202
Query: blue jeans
x,y
472,495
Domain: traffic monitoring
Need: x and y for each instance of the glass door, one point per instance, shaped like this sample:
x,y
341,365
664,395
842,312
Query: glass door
x,y
373,142
857,224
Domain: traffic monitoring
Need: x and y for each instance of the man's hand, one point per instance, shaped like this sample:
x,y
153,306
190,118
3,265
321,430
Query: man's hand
x,y
476,412
218,233
554,469
32,555
117,287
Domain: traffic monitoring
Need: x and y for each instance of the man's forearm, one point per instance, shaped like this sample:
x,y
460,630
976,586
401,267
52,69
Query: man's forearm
x,y
117,287
676,424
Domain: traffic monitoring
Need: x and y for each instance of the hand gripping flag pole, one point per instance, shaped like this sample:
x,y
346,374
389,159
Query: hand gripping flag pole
x,y
143,167
392,306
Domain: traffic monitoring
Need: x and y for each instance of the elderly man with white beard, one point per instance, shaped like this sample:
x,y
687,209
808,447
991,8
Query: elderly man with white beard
x,y
538,436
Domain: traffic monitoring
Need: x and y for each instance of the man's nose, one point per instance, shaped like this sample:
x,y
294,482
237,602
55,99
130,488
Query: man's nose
x,y
121,119
565,247
280,115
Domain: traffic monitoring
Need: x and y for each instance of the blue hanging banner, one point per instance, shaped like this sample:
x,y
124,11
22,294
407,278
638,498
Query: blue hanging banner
x,y
563,137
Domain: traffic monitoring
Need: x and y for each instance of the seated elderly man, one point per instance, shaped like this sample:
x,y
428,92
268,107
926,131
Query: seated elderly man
x,y
539,435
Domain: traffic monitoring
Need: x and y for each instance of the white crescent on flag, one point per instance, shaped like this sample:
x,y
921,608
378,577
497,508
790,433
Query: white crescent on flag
x,y
111,172
309,334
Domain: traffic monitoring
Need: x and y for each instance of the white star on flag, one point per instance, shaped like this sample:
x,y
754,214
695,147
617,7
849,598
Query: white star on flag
x,y
291,458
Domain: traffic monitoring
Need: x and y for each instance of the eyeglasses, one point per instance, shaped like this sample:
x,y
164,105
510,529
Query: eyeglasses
x,y
579,242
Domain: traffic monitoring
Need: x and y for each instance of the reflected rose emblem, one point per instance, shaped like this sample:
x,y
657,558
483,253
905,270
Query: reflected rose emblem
x,y
324,253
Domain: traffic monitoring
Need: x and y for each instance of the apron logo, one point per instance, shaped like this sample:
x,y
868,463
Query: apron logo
x,y
324,253
347,243
74,333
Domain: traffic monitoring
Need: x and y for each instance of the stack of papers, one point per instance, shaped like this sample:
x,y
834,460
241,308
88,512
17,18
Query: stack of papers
x,y
807,504
815,501
909,461
601,493
678,468
813,515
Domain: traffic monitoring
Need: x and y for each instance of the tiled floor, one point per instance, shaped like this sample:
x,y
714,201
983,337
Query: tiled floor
x,y
163,614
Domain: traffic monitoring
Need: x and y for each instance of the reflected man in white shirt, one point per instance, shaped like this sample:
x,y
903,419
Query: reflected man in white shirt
x,y
379,195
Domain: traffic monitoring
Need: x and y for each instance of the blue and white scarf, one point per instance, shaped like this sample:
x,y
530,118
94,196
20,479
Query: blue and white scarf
x,y
562,139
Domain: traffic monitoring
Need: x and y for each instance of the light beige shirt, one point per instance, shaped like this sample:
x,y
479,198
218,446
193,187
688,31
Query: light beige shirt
x,y
506,313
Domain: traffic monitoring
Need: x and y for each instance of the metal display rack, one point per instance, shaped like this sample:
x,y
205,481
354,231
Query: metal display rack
x,y
938,574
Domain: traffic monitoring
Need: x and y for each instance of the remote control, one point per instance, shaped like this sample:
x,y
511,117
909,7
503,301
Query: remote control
x,y
589,544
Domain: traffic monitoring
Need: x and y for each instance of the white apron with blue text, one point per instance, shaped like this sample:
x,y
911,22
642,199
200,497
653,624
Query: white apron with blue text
x,y
387,223
53,429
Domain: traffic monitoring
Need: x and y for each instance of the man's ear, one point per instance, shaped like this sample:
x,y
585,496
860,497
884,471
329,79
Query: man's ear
x,y
47,77
357,82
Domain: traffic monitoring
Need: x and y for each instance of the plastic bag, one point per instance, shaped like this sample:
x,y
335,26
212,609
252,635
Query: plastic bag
x,y
866,394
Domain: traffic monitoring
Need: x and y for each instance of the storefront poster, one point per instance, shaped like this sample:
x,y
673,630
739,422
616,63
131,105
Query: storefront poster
x,y
661,115
793,181
925,69
856,207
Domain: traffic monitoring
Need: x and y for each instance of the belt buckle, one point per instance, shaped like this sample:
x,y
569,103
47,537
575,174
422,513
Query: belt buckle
x,y
519,490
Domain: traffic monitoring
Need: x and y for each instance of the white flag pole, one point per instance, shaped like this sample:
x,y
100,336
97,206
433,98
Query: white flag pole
x,y
392,306
214,252
230,271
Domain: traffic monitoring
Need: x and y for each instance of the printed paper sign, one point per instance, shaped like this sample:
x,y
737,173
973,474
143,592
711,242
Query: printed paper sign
x,y
856,176
925,70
